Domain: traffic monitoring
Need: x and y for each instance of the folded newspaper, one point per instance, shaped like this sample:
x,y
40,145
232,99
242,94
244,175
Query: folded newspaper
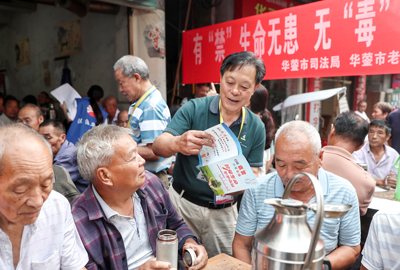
x,y
224,166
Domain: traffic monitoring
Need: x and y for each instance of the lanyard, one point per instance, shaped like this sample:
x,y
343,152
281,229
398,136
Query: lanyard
x,y
140,101
243,117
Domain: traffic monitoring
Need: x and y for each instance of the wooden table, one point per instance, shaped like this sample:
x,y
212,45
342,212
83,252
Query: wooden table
x,y
226,262
385,195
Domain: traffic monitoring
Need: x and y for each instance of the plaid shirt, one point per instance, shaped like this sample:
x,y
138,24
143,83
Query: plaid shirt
x,y
102,239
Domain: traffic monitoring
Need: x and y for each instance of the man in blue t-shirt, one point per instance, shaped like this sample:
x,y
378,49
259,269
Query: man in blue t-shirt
x,y
148,114
297,150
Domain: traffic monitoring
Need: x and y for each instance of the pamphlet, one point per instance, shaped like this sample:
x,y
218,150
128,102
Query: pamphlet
x,y
224,166
65,93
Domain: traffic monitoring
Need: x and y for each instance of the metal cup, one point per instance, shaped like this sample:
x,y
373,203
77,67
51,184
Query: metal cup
x,y
167,247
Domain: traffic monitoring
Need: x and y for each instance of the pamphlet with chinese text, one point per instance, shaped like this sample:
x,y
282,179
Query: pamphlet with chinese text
x,y
224,166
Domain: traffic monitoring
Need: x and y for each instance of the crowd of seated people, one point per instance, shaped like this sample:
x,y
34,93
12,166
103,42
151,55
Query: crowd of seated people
x,y
98,201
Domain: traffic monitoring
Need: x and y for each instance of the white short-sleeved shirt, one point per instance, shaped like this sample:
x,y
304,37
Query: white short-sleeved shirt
x,y
382,248
52,242
254,214
381,168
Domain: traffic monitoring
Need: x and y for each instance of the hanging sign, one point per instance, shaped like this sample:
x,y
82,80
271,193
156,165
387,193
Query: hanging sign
x,y
326,38
359,94
313,108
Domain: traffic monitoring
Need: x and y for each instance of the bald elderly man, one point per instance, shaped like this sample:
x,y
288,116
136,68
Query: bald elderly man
x,y
123,119
30,115
37,230
110,106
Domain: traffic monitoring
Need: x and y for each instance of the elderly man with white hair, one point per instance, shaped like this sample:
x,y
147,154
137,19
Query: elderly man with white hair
x,y
148,114
121,212
298,149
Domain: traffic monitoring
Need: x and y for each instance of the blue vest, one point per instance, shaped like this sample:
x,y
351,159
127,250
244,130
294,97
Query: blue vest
x,y
84,120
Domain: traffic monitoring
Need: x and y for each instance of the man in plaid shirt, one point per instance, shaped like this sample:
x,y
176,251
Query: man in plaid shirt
x,y
120,214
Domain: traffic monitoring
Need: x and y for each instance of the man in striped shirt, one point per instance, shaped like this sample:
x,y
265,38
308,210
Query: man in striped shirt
x,y
382,249
148,115
298,149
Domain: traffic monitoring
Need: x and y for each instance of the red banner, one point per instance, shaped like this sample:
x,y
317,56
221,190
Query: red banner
x,y
327,38
359,94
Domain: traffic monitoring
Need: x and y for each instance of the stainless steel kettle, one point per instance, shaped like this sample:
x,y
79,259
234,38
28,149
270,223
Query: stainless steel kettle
x,y
287,242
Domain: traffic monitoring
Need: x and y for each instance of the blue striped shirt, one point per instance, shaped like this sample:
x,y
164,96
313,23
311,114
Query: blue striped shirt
x,y
382,248
255,214
148,121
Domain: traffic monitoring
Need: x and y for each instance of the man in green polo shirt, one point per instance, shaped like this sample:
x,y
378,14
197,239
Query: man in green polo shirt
x,y
241,74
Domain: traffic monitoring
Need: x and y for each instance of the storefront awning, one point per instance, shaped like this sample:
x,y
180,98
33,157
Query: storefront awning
x,y
308,97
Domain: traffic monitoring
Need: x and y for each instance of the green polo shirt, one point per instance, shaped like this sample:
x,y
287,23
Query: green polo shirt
x,y
201,114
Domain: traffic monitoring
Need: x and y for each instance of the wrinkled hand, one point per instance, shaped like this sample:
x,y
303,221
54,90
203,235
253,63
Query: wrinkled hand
x,y
201,254
190,142
154,264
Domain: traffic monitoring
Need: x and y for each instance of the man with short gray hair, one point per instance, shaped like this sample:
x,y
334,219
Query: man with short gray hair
x,y
148,115
121,212
37,230
298,149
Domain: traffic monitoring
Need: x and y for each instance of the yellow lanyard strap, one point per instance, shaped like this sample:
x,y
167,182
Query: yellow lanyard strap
x,y
243,117
140,101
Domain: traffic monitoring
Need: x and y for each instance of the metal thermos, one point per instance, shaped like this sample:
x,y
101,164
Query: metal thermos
x,y
52,112
287,242
167,247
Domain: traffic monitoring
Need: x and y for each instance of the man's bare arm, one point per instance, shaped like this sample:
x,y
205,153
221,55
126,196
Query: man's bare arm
x,y
242,247
189,143
147,153
363,267
344,256
255,170
163,146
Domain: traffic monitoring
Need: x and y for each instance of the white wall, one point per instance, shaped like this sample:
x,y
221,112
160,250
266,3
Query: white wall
x,y
104,41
